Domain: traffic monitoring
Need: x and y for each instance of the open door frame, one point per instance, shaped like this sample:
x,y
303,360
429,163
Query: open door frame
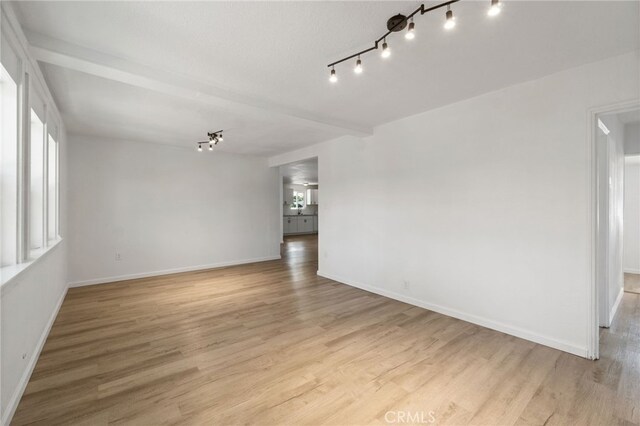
x,y
595,223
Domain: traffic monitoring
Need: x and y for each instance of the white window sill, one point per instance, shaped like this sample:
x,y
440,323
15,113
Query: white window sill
x,y
9,273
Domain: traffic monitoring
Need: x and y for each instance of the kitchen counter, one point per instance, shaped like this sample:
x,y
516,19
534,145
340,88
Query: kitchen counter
x,y
300,215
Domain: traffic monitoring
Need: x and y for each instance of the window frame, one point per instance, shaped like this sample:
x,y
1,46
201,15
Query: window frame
x,y
15,256
30,81
294,204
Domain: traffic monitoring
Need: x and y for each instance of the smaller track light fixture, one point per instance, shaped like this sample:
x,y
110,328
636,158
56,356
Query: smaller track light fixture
x,y
385,50
333,77
214,138
358,68
495,8
398,23
410,34
450,21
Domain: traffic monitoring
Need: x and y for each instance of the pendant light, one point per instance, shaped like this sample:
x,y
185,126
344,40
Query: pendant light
x,y
410,34
450,20
333,77
495,8
386,52
358,68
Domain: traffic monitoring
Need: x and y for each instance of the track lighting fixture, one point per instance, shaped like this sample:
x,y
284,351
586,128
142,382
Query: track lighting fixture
x,y
214,138
398,23
450,20
358,68
385,50
495,8
410,35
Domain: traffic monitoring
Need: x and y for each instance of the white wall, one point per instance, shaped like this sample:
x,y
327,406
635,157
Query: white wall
x,y
30,301
632,215
166,209
482,207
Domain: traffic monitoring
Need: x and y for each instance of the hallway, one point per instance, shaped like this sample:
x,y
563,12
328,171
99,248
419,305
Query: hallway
x,y
272,342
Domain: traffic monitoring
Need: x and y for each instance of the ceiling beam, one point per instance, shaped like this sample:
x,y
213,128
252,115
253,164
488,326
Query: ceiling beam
x,y
57,52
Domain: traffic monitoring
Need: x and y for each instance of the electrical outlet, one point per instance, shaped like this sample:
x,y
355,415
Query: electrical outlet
x,y
118,256
24,355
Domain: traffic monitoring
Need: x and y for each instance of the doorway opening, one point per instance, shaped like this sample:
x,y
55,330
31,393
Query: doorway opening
x,y
300,204
616,147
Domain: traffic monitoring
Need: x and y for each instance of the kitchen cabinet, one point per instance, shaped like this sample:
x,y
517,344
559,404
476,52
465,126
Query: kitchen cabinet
x,y
305,224
302,224
312,197
290,225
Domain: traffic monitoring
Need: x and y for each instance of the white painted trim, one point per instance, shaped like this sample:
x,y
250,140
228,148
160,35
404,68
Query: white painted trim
x,y
22,384
614,309
593,325
631,271
484,322
105,280
10,273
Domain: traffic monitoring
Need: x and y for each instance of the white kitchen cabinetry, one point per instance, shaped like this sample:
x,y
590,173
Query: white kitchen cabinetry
x,y
305,224
290,225
312,197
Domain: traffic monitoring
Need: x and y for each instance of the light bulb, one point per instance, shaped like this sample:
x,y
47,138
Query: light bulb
x,y
220,137
358,68
450,22
199,148
495,8
410,35
385,50
210,147
333,78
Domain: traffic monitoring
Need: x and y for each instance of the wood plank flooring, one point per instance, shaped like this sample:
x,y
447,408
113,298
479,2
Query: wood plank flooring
x,y
273,343
632,283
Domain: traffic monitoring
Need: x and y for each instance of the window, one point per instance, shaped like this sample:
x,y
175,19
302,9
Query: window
x,y
29,166
297,201
52,190
8,169
36,183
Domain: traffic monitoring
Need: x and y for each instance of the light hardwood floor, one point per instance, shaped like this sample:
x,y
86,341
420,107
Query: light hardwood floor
x,y
272,343
632,283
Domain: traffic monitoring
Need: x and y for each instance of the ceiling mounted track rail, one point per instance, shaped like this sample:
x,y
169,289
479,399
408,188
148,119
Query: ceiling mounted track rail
x,y
214,138
398,23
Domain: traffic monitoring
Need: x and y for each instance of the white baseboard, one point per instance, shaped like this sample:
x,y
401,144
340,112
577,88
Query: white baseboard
x,y
105,280
484,322
631,271
22,385
614,309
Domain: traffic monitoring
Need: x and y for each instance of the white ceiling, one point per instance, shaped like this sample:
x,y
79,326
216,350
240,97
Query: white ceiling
x,y
169,72
301,172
